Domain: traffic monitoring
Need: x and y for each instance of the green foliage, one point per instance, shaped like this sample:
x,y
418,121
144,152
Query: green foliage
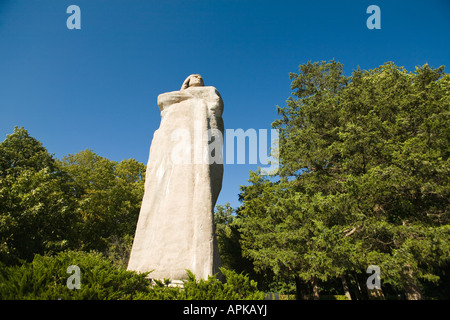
x,y
364,166
108,194
81,202
235,287
37,209
119,249
334,297
20,151
227,237
45,278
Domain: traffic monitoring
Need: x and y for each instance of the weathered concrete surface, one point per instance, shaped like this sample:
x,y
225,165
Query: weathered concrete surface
x,y
175,230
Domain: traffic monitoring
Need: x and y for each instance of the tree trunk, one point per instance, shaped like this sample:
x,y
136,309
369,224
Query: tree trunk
x,y
315,288
345,285
413,292
358,291
300,287
375,293
411,287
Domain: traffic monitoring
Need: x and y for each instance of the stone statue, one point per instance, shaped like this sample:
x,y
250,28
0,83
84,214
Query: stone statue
x,y
175,230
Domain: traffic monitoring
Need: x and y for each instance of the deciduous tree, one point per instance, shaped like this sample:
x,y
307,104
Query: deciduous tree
x,y
37,206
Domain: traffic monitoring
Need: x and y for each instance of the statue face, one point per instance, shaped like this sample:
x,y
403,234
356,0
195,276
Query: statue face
x,y
196,81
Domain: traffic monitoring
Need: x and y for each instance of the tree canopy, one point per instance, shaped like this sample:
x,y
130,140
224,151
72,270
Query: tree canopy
x,y
83,201
108,194
37,208
363,180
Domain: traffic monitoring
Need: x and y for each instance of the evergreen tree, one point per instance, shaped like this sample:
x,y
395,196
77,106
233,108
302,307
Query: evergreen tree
x,y
228,236
363,180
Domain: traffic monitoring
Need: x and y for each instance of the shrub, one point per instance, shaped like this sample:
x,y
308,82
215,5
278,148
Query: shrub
x,y
235,287
45,278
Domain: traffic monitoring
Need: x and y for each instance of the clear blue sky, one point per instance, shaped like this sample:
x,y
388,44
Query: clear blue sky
x,y
96,87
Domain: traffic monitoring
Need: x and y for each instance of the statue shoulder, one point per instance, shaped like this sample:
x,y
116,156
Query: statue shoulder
x,y
209,94
172,97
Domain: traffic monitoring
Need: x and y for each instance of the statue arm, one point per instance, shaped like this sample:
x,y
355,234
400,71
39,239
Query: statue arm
x,y
185,84
209,95
167,99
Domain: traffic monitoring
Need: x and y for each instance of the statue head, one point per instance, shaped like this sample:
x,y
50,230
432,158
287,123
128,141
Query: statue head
x,y
194,80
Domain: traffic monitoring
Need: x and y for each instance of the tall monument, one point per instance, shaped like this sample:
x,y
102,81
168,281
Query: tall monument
x,y
175,230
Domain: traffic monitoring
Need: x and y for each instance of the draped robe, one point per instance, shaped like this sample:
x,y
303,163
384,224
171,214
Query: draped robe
x,y
175,229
